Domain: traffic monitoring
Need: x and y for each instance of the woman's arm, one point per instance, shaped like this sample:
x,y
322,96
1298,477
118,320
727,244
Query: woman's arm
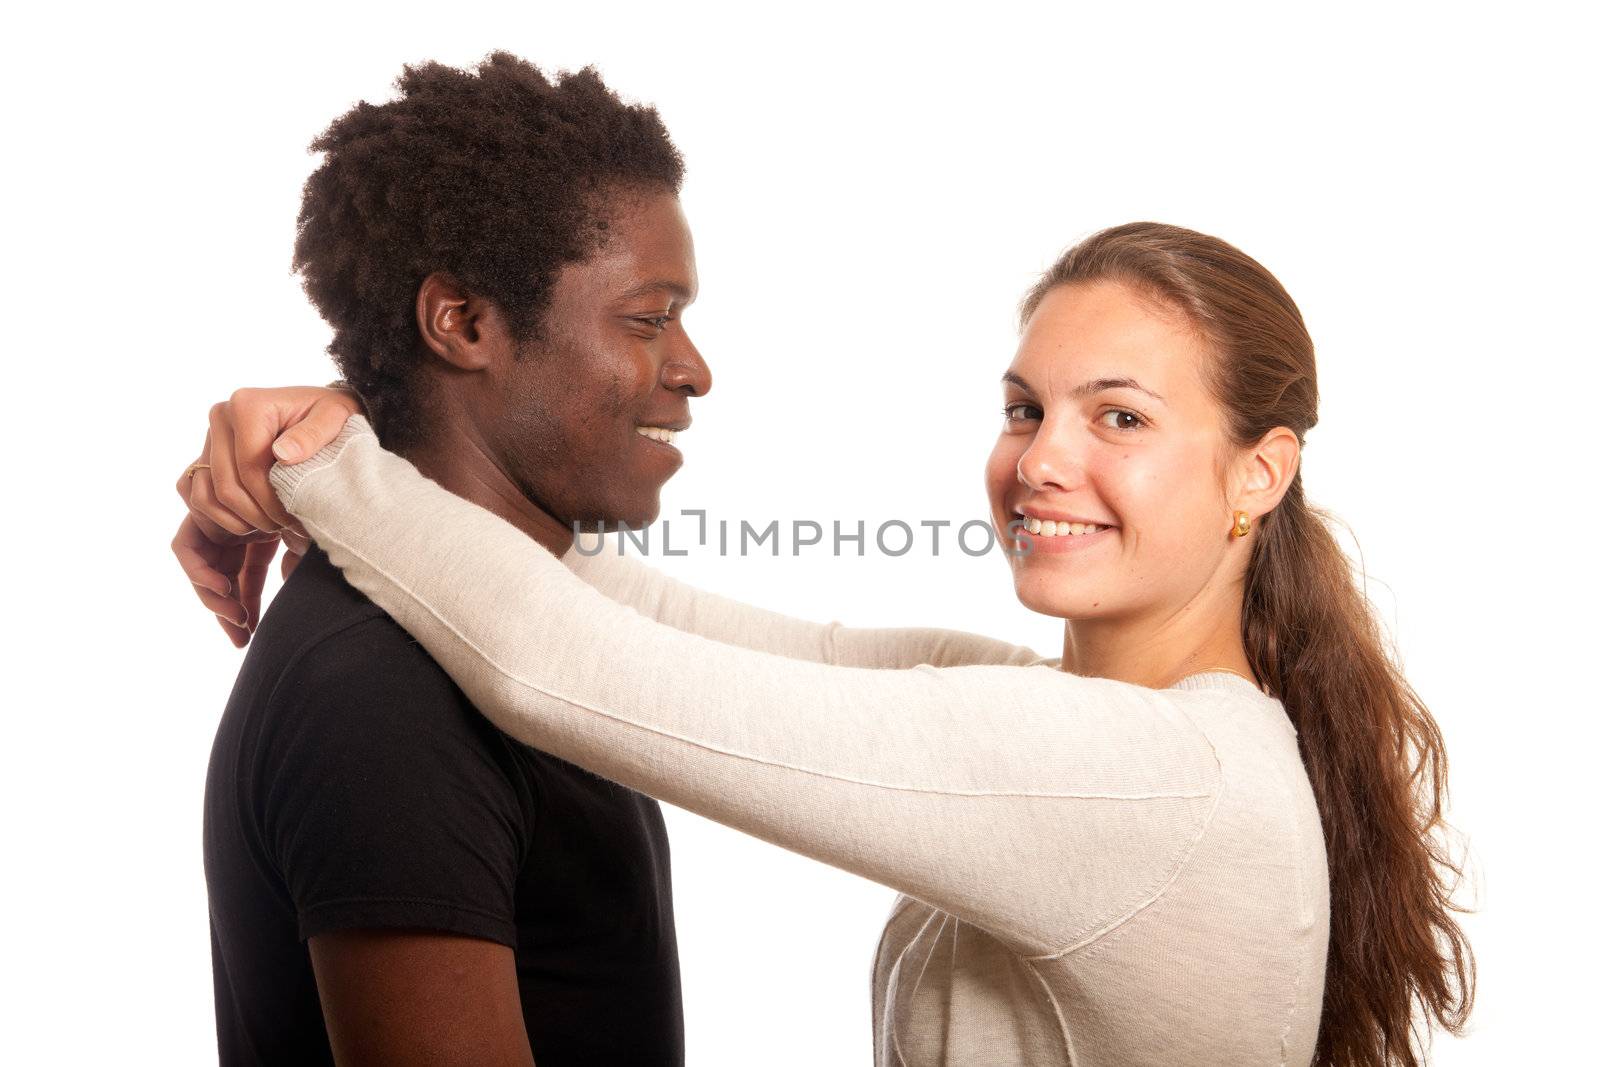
x,y
1039,805
680,605
254,423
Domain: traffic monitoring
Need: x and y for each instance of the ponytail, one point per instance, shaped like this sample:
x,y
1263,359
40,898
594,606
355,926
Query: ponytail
x,y
1377,764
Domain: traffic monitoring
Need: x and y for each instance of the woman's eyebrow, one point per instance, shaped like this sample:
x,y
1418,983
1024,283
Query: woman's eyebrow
x,y
1094,385
1098,385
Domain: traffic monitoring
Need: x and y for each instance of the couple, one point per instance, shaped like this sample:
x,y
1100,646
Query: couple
x,y
1202,835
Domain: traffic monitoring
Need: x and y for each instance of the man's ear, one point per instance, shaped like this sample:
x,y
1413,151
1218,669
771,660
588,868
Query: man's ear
x,y
461,328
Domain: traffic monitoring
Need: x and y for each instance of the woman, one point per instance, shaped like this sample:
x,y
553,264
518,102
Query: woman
x,y
1201,836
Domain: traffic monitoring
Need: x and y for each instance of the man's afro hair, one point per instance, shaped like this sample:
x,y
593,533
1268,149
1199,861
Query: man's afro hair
x,y
495,177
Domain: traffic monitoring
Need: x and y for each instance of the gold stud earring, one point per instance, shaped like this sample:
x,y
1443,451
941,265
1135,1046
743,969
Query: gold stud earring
x,y
1241,524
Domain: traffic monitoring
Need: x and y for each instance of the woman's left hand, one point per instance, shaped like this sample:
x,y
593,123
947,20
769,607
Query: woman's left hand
x,y
226,542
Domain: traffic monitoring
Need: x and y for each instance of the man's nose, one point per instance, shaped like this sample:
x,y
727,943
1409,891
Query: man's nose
x,y
685,371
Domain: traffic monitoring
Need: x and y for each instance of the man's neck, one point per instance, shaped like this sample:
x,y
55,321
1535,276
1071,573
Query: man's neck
x,y
462,463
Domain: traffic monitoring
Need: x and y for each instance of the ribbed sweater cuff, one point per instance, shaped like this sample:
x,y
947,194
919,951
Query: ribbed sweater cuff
x,y
286,477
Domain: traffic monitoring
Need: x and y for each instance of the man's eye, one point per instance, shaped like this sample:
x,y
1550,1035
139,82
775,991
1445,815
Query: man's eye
x,y
658,322
1021,413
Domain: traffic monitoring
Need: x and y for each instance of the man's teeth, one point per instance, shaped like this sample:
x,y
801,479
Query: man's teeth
x,y
657,433
1051,528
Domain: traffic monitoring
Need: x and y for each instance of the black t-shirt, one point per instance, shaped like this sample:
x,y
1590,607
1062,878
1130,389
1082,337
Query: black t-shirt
x,y
352,785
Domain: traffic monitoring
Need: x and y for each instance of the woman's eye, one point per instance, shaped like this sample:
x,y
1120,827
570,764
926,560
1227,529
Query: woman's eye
x,y
1136,420
1021,413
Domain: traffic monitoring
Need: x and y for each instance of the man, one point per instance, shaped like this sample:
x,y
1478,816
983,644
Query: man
x,y
505,265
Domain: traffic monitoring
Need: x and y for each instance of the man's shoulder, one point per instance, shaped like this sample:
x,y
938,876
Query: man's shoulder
x,y
323,646
351,770
318,618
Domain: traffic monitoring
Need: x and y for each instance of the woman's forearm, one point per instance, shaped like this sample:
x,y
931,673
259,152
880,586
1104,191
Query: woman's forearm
x,y
682,606
994,793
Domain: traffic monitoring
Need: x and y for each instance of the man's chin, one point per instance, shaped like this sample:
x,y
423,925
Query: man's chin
x,y
635,518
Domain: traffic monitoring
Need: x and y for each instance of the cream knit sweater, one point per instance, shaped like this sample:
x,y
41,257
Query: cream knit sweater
x,y
1091,872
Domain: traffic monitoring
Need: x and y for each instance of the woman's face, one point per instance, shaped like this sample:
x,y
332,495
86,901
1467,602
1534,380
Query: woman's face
x,y
1107,422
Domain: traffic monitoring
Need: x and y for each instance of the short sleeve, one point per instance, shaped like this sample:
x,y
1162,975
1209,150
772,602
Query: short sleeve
x,y
384,798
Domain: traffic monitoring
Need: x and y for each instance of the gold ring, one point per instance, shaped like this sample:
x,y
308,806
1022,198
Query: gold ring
x,y
197,466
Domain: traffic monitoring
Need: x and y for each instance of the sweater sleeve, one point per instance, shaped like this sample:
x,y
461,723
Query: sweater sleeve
x,y
677,604
1044,807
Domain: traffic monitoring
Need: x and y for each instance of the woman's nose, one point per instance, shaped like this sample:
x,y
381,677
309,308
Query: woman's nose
x,y
1047,465
685,372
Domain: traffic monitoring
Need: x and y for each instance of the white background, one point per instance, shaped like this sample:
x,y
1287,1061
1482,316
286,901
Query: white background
x,y
871,191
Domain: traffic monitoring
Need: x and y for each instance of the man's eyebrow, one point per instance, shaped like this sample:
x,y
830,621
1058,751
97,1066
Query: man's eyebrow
x,y
1094,385
648,288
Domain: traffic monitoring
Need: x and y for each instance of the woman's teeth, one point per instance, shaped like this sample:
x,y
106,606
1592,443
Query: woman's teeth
x,y
657,433
1051,528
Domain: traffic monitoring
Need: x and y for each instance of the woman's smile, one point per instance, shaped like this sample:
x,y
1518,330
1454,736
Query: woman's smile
x,y
1045,536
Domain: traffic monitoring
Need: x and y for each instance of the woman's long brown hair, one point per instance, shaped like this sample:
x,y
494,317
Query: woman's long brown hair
x,y
1397,959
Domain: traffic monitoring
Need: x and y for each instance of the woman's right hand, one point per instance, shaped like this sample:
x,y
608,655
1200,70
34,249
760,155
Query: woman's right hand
x,y
226,542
